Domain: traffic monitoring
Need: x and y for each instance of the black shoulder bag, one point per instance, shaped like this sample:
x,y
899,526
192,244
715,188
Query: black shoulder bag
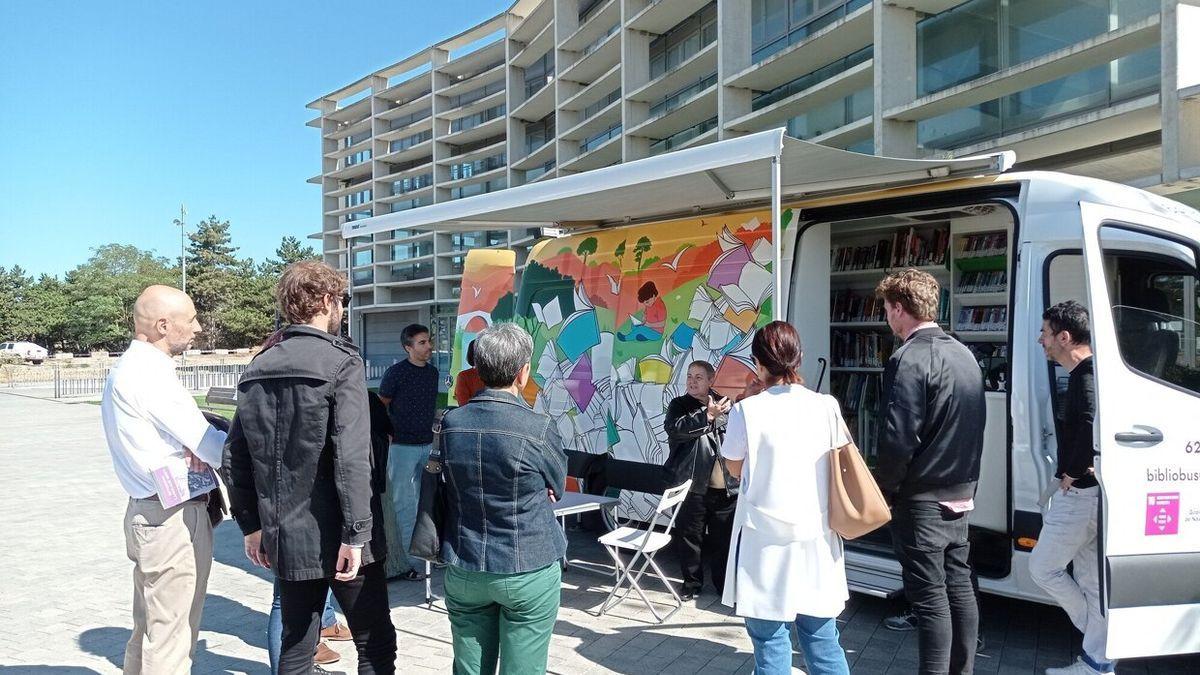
x,y
426,541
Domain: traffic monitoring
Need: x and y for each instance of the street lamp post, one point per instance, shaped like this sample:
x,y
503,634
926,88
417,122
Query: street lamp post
x,y
182,223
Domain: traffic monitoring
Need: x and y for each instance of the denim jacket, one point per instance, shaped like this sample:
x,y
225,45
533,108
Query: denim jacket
x,y
500,458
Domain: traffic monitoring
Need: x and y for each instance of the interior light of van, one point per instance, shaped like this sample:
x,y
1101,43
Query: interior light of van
x,y
1026,543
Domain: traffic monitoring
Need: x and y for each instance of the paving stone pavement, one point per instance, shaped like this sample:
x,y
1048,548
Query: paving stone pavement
x,y
65,591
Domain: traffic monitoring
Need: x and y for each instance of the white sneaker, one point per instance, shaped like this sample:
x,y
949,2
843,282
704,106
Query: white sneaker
x,y
1077,668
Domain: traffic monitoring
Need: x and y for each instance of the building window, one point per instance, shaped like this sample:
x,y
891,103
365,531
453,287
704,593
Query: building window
x,y
468,169
534,174
412,271
986,36
539,133
679,138
809,80
413,183
401,122
612,97
358,215
475,95
478,188
361,197
418,249
356,158
472,121
683,41
682,96
409,141
778,24
539,74
465,241
410,204
599,139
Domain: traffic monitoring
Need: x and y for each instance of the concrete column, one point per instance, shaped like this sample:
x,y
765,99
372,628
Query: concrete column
x,y
513,146
1180,93
733,56
895,78
439,57
635,72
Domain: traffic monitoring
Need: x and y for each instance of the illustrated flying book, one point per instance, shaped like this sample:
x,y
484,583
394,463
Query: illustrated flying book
x,y
176,484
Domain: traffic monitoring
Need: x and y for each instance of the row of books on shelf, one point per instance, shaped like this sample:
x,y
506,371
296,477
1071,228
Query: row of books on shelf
x,y
859,394
982,245
983,282
982,318
846,306
860,349
904,249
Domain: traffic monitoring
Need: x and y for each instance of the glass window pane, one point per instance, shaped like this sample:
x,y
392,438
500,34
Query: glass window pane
x,y
957,46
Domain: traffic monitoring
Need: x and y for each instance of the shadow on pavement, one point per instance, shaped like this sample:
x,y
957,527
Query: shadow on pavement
x,y
39,668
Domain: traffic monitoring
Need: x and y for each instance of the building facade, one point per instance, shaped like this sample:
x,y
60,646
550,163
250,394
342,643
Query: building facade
x,y
1106,88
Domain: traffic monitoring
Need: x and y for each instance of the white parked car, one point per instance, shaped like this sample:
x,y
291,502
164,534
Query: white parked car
x,y
25,350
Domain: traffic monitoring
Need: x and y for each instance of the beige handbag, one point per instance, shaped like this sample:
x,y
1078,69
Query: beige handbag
x,y
856,505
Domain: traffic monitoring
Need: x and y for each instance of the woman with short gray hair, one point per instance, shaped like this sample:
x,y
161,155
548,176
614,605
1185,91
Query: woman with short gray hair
x,y
504,467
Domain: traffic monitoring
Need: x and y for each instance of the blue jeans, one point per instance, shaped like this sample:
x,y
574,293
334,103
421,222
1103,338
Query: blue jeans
x,y
818,638
405,464
275,626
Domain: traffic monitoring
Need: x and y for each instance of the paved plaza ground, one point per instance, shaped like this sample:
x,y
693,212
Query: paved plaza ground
x,y
65,589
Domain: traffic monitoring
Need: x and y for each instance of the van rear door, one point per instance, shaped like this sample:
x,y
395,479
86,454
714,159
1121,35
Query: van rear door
x,y
1142,282
485,297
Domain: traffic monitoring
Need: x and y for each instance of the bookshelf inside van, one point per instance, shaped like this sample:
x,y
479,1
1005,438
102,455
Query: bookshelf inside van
x,y
966,249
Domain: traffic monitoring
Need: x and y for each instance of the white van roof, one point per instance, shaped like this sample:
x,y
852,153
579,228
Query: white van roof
x,y
728,174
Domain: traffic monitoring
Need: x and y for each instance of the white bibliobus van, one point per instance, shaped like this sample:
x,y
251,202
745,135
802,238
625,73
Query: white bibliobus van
x,y
1004,246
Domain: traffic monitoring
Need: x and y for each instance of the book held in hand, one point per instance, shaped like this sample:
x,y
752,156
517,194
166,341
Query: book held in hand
x,y
177,484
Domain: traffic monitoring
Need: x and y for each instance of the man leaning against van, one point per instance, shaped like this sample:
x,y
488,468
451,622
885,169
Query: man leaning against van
x,y
150,419
929,456
1069,525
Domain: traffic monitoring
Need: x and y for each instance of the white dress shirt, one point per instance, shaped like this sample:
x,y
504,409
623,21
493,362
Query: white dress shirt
x,y
148,416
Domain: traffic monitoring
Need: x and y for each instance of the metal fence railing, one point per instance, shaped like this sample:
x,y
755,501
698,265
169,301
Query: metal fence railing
x,y
193,378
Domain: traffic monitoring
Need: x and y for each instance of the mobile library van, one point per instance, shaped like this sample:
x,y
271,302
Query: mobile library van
x,y
665,260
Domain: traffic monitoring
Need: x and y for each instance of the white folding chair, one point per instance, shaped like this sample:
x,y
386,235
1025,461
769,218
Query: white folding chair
x,y
644,544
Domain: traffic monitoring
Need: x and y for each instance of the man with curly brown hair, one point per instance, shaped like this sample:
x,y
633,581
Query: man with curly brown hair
x,y
299,465
929,455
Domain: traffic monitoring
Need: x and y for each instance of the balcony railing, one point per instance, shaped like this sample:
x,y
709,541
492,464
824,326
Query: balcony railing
x,y
679,138
599,139
682,96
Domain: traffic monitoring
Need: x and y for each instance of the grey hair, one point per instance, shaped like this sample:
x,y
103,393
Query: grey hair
x,y
500,351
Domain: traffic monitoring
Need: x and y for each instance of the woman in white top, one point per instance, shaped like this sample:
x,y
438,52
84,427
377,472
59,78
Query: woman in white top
x,y
785,565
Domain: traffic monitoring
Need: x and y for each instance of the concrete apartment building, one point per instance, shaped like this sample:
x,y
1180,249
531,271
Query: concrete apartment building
x,y
547,88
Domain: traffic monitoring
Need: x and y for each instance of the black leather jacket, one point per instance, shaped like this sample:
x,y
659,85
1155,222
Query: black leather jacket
x,y
299,455
695,442
933,413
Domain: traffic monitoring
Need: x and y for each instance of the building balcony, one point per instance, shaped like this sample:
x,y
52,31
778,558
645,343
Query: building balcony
x,y
837,40
422,149
492,127
406,92
537,106
478,62
591,66
594,28
347,210
353,113
688,110
603,119
595,91
351,172
539,156
416,127
476,154
534,50
465,85
835,88
340,153
1096,51
696,67
349,189
847,135
478,105
418,193
599,152
663,15
533,23
347,130
700,134
548,175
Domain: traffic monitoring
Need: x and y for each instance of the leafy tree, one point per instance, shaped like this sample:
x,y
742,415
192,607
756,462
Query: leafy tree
x,y
290,250
640,249
248,317
212,276
100,294
587,247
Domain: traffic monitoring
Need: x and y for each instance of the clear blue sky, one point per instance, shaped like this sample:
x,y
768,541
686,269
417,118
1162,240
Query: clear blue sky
x,y
112,113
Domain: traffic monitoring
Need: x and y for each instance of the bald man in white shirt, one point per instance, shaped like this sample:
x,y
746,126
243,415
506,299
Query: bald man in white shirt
x,y
148,418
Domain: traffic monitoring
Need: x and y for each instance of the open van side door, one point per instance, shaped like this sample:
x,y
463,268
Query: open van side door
x,y
486,296
1142,282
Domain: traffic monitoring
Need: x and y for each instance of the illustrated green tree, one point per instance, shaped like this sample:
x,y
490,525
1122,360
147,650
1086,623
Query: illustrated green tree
x,y
619,252
100,294
640,249
587,247
212,276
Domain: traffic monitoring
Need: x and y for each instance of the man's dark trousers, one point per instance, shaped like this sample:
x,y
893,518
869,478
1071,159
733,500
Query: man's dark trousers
x,y
364,600
931,544
703,529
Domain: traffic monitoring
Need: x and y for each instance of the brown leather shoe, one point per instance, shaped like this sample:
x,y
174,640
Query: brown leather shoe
x,y
325,655
338,632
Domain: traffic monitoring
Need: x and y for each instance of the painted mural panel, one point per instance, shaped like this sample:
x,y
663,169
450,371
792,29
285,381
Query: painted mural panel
x,y
486,297
617,315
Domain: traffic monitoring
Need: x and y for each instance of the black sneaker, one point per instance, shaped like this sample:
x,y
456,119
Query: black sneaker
x,y
318,670
689,593
412,575
904,622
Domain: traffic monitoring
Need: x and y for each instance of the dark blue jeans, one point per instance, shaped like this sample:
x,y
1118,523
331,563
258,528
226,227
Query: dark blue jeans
x,y
931,544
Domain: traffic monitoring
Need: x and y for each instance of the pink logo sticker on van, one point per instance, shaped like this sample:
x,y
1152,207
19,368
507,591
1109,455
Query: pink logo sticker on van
x,y
1162,513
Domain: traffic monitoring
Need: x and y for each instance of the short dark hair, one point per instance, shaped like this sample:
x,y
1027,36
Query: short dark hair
x,y
1071,317
648,290
409,335
776,347
704,365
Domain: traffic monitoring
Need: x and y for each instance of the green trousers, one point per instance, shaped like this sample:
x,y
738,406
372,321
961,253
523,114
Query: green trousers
x,y
505,618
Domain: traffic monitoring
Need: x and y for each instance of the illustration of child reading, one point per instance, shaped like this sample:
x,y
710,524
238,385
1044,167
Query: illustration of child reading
x,y
654,316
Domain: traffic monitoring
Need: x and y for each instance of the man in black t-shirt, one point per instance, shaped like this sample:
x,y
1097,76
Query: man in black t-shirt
x,y
409,390
1069,524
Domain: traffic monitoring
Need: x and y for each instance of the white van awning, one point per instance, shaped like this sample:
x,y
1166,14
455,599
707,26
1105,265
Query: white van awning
x,y
727,174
